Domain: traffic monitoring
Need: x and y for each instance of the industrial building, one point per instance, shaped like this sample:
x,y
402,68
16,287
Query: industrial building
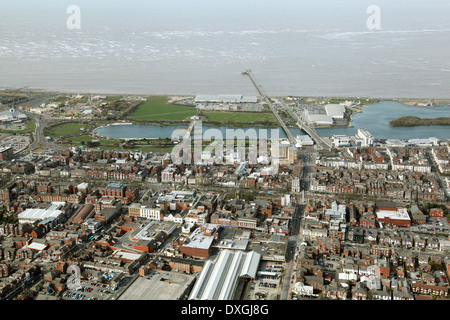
x,y
219,279
12,115
318,119
38,214
335,113
225,99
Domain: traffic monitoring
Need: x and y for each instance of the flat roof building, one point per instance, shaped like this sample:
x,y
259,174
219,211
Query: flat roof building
x,y
336,111
399,217
12,115
224,98
305,140
318,119
37,214
200,241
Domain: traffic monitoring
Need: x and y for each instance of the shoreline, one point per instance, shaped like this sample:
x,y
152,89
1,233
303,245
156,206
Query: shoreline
x,y
408,102
404,100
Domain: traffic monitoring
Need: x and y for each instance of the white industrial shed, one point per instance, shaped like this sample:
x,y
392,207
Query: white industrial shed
x,y
218,280
335,110
33,215
230,98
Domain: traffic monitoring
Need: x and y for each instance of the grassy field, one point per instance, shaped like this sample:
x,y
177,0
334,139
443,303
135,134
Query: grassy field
x,y
65,129
112,98
157,108
239,117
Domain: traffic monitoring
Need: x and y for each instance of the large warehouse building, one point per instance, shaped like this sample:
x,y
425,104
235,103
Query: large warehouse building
x,y
12,115
38,214
230,98
334,114
218,279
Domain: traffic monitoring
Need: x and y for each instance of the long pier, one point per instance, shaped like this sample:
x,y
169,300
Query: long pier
x,y
321,143
258,87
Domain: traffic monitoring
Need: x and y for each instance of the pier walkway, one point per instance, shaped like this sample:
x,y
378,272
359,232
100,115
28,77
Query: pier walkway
x,y
301,123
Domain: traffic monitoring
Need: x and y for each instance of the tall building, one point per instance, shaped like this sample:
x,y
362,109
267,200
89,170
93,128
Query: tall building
x,y
6,153
295,185
365,137
287,153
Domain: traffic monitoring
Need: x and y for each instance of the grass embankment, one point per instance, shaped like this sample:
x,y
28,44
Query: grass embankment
x,y
410,121
157,108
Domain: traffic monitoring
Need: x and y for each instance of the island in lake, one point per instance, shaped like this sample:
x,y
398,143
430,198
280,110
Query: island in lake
x,y
416,121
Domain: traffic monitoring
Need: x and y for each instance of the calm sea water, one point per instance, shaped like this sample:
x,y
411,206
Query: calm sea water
x,y
376,117
309,48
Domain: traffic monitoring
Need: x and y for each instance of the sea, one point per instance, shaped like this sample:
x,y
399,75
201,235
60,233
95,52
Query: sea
x,y
358,48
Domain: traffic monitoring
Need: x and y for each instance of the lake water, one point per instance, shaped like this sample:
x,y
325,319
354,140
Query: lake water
x,y
374,118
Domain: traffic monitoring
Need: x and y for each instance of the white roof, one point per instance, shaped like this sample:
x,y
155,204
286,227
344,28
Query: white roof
x,y
320,118
3,149
83,185
226,98
126,255
7,115
420,141
364,133
37,246
400,214
41,214
218,279
200,241
335,110
395,142
304,138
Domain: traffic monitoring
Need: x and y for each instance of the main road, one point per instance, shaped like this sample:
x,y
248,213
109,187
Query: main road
x,y
291,252
39,139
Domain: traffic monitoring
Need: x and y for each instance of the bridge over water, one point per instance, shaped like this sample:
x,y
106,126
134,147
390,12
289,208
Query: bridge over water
x,y
301,123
